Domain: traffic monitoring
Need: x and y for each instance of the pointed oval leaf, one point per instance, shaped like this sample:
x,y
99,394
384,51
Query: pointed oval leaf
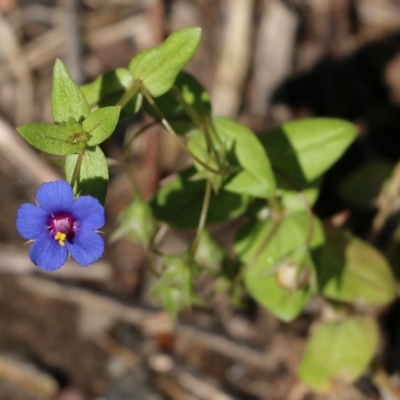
x,y
353,271
101,124
93,173
279,270
305,149
67,99
338,351
158,66
52,139
179,203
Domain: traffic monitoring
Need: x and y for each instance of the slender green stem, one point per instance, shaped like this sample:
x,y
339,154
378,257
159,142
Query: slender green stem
x,y
168,127
199,121
130,92
77,168
202,222
194,116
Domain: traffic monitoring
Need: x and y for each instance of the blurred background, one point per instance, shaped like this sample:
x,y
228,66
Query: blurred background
x,y
95,333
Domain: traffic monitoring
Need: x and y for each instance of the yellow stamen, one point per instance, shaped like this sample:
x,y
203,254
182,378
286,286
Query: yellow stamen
x,y
60,236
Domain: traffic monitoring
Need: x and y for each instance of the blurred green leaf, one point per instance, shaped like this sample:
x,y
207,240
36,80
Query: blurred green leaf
x,y
109,88
67,99
304,149
52,139
93,173
173,288
353,271
209,254
338,351
279,266
362,186
179,203
136,223
193,94
101,124
159,66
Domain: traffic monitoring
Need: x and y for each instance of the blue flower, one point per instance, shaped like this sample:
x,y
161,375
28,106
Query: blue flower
x,y
60,224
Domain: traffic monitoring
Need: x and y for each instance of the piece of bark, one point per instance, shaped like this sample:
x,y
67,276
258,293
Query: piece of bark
x,y
233,64
273,53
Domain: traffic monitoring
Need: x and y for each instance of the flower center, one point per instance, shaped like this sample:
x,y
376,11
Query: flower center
x,y
62,227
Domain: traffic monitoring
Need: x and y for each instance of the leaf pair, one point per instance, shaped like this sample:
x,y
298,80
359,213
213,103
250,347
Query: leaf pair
x,y
76,127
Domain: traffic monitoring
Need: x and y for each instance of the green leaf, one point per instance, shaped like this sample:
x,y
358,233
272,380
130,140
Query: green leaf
x,y
67,99
362,186
179,117
93,173
173,288
179,203
158,67
244,153
52,139
280,269
109,88
338,351
101,124
297,200
209,254
353,271
136,223
303,150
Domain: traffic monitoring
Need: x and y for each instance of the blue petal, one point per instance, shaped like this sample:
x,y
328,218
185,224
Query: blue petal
x,y
86,248
55,197
31,221
88,212
47,253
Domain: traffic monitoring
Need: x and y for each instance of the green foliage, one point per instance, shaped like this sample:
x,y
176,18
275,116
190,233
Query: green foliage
x,y
101,124
67,99
92,173
239,152
136,223
179,203
158,67
338,351
108,89
303,150
353,271
53,139
186,105
173,289
265,186
279,262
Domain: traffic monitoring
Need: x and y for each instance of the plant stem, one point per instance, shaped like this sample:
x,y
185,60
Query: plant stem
x,y
202,222
77,169
168,127
130,92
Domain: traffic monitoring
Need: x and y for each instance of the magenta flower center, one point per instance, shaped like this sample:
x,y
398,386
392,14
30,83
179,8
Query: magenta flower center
x,y
62,227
